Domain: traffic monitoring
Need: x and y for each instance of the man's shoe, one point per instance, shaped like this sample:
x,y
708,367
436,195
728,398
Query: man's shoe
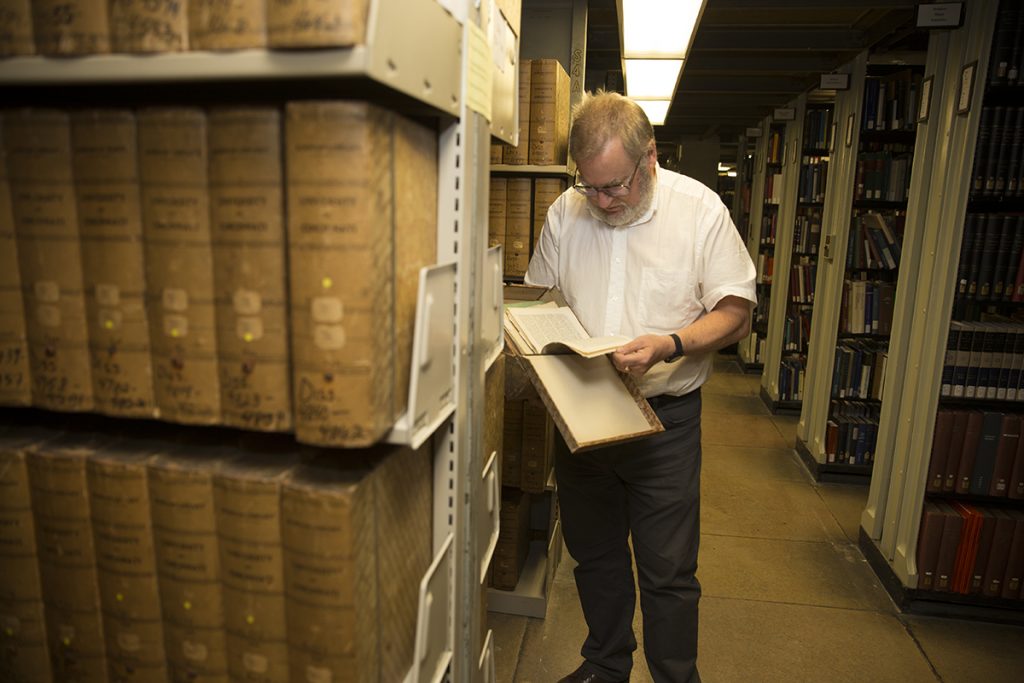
x,y
580,675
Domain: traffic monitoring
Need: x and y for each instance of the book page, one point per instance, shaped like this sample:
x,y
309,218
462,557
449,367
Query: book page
x,y
542,325
588,348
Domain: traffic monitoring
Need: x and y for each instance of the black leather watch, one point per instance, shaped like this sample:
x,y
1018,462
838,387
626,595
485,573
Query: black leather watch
x,y
678,353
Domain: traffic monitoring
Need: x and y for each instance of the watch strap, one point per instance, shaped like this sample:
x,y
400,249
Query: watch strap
x,y
678,353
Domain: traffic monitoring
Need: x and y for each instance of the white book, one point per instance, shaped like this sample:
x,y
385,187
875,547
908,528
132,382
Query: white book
x,y
545,329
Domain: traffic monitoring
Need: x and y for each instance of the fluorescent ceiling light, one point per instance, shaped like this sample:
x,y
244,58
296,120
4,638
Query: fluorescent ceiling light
x,y
652,77
659,28
656,110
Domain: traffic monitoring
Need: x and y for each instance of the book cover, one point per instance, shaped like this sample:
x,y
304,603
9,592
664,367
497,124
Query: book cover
x,y
150,27
950,540
71,27
549,112
232,25
316,23
15,380
1006,454
995,568
984,550
940,450
1015,559
16,29
543,329
519,155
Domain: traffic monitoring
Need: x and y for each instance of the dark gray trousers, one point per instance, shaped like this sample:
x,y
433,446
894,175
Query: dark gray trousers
x,y
648,489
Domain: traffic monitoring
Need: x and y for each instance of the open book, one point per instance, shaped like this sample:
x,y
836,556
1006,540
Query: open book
x,y
549,328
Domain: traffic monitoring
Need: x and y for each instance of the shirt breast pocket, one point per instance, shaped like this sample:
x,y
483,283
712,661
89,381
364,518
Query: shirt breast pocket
x,y
668,299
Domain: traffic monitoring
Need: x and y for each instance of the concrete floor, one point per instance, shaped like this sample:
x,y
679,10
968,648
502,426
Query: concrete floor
x,y
787,594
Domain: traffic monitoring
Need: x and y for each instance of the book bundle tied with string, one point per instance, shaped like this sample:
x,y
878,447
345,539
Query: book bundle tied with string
x,y
591,403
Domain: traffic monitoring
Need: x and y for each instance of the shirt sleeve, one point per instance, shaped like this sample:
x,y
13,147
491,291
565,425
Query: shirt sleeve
x,y
543,268
727,267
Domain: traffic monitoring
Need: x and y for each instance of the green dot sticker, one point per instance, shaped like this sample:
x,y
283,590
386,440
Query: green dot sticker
x,y
247,336
109,324
175,332
326,283
250,619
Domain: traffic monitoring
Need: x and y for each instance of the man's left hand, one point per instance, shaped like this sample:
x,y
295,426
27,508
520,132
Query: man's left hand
x,y
639,355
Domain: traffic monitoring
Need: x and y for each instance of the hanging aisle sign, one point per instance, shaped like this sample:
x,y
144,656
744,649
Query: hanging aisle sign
x,y
940,15
784,114
753,132
835,82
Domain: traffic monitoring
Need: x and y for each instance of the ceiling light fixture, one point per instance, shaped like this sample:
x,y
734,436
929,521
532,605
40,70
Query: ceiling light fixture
x,y
656,38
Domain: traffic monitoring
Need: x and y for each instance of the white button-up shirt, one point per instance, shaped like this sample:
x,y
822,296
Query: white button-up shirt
x,y
654,276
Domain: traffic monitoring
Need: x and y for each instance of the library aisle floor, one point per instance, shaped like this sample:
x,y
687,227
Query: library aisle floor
x,y
787,594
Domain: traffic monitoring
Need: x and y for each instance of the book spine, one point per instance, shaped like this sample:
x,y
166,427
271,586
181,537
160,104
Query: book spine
x,y
38,147
179,263
149,27
107,188
247,229
216,25
16,37
15,377
309,23
71,27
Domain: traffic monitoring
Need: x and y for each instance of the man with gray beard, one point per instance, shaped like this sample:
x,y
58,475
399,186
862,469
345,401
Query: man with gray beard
x,y
643,252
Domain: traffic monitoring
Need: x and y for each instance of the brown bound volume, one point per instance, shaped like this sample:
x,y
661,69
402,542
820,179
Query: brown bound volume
x,y
26,655
538,446
1015,560
38,145
946,560
513,539
231,25
984,550
125,557
247,224
512,444
356,537
545,192
179,264
496,212
153,26
362,198
956,447
107,189
1015,487
972,440
16,28
519,155
549,113
67,555
494,410
940,450
928,542
1005,456
966,552
15,377
995,567
71,27
517,226
247,495
316,23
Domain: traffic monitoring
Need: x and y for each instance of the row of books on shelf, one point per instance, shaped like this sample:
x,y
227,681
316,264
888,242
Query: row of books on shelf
x,y
801,280
85,28
217,267
866,307
543,117
970,550
813,179
874,241
818,129
998,155
859,369
984,361
773,189
978,453
1007,56
991,263
791,379
796,331
883,175
807,230
769,228
851,433
752,348
517,210
891,101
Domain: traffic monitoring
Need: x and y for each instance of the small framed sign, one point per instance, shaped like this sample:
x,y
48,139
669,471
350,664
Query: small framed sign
x,y
835,82
926,100
963,102
940,15
753,132
849,130
784,114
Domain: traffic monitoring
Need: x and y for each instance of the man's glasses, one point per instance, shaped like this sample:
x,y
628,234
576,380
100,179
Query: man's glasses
x,y
617,190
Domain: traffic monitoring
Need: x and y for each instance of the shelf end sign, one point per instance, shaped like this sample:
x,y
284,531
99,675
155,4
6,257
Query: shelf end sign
x,y
940,15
